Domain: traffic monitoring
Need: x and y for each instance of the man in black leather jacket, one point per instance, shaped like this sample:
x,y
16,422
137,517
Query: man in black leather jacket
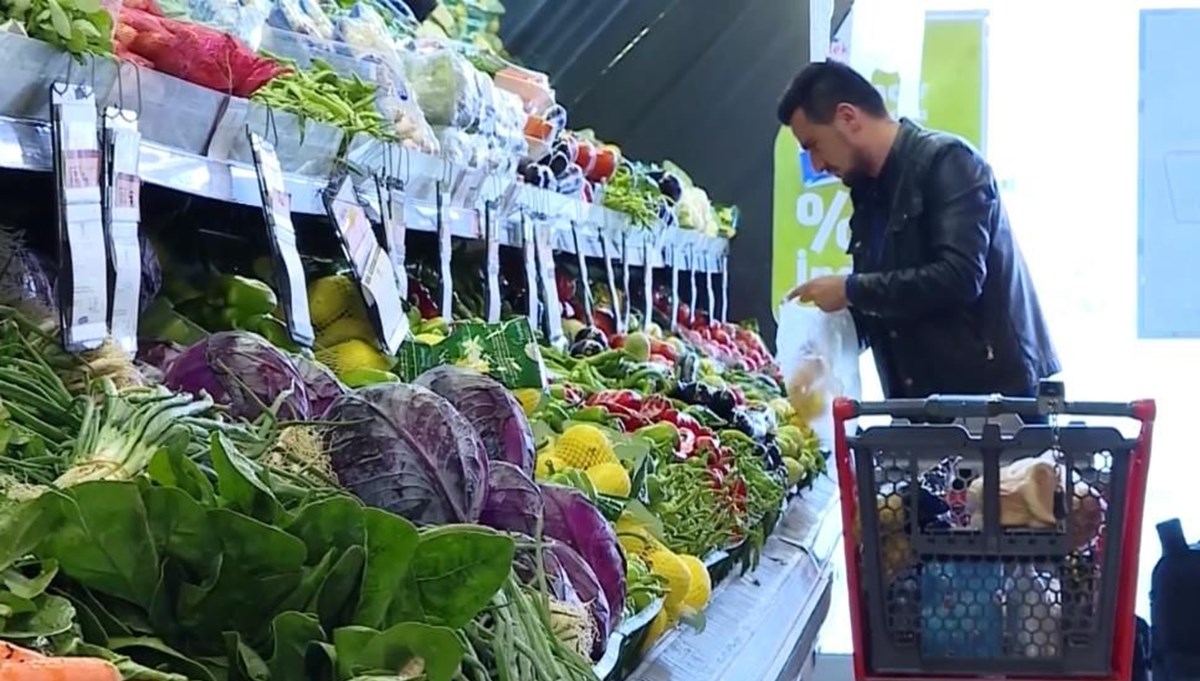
x,y
940,291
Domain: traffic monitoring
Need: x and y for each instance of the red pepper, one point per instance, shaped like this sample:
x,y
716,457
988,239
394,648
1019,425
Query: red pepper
x,y
659,359
629,418
616,341
739,397
655,406
707,445
716,478
687,443
664,349
628,399
689,423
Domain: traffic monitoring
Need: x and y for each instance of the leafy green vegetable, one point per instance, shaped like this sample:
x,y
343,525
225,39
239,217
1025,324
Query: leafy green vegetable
x,y
391,543
454,574
410,647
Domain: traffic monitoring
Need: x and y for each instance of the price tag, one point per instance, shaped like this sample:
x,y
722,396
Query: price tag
x,y
709,297
584,279
122,213
491,229
396,228
544,236
371,264
618,302
277,211
529,249
648,278
627,299
676,258
83,263
724,267
445,248
694,272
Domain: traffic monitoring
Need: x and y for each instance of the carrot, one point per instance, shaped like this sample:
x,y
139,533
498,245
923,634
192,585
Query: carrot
x,y
59,669
13,653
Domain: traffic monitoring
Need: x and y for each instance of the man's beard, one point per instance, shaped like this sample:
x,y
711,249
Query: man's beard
x,y
859,170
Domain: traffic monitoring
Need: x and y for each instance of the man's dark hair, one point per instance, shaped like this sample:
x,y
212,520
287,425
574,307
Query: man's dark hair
x,y
821,86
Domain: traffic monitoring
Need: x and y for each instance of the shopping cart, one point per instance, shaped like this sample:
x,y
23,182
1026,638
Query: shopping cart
x,y
961,565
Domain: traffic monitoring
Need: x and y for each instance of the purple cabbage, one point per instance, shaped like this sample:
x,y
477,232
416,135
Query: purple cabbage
x,y
321,385
514,502
406,450
491,408
571,518
570,580
243,371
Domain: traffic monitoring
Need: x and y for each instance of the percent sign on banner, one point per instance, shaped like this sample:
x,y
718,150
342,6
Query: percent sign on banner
x,y
832,223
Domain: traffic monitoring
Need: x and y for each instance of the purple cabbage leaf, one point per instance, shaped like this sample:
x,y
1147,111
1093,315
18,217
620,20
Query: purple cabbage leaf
x,y
243,371
571,518
514,501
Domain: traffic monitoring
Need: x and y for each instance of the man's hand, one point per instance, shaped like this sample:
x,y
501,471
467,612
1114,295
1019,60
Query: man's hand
x,y
828,293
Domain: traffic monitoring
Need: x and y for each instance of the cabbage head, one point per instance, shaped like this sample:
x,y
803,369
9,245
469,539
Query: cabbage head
x,y
244,372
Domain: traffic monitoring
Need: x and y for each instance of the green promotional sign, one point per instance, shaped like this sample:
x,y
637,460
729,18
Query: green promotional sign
x,y
812,210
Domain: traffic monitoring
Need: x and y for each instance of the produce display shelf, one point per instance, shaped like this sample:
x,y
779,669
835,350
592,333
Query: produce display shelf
x,y
762,626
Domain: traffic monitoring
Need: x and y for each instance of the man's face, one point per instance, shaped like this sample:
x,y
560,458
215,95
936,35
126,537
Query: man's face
x,y
836,146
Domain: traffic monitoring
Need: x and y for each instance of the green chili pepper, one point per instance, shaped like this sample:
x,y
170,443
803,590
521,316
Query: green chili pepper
x,y
591,415
663,434
248,297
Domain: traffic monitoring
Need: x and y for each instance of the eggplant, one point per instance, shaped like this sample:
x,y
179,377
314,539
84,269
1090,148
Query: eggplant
x,y
722,403
687,369
772,455
591,333
586,348
671,187
559,162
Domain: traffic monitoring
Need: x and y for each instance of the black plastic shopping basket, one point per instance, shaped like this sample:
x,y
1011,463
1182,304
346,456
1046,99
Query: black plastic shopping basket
x,y
992,552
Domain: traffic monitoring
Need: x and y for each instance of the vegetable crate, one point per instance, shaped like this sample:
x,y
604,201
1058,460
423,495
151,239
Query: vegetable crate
x,y
990,551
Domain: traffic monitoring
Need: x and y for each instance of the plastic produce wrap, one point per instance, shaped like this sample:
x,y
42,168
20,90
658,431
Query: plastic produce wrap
x,y
818,355
242,18
446,85
24,283
398,103
302,16
508,142
463,148
364,30
152,276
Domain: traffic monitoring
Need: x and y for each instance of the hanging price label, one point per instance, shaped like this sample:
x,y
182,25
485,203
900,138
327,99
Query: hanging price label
x,y
529,248
491,229
544,236
724,287
618,302
122,213
584,278
371,265
83,264
676,257
276,203
627,302
694,283
397,230
648,279
709,297
445,249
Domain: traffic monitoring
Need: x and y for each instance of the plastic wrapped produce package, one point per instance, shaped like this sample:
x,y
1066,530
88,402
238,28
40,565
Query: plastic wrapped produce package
x,y
24,283
446,85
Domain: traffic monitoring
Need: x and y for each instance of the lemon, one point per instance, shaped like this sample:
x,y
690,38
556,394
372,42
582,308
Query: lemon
x,y
331,297
583,446
701,585
345,328
634,538
429,338
795,471
611,479
530,399
660,625
353,354
668,565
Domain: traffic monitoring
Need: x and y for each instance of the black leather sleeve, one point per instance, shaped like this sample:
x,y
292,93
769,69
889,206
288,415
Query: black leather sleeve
x,y
959,200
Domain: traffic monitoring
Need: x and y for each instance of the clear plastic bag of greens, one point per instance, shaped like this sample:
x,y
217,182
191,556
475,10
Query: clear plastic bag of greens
x,y
818,354
25,283
446,85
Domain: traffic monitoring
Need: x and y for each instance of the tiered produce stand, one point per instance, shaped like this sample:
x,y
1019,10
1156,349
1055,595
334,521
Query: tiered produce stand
x,y
343,358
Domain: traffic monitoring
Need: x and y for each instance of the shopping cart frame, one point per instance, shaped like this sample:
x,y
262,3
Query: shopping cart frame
x,y
993,407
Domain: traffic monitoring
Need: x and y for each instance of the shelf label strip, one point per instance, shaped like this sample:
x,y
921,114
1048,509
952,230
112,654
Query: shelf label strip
x,y
491,228
122,214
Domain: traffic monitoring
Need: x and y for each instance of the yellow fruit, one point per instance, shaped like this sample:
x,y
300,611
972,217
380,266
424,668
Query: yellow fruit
x,y
634,538
795,471
548,464
660,625
610,479
331,297
353,354
346,328
429,338
583,446
701,586
530,399
666,564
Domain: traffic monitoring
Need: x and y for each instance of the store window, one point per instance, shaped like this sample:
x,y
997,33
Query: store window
x,y
1062,132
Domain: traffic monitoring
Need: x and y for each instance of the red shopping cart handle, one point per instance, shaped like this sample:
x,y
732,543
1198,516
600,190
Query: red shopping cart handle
x,y
988,406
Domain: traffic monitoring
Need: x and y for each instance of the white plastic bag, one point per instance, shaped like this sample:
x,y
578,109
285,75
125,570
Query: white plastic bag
x,y
818,355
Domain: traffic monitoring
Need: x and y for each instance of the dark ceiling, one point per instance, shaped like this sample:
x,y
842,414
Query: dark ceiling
x,y
692,81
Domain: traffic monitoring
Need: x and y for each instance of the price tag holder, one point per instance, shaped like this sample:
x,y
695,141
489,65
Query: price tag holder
x,y
529,251
277,211
491,229
122,214
710,298
445,253
396,228
676,261
724,287
584,277
627,299
694,273
544,236
371,264
618,302
83,262
648,278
